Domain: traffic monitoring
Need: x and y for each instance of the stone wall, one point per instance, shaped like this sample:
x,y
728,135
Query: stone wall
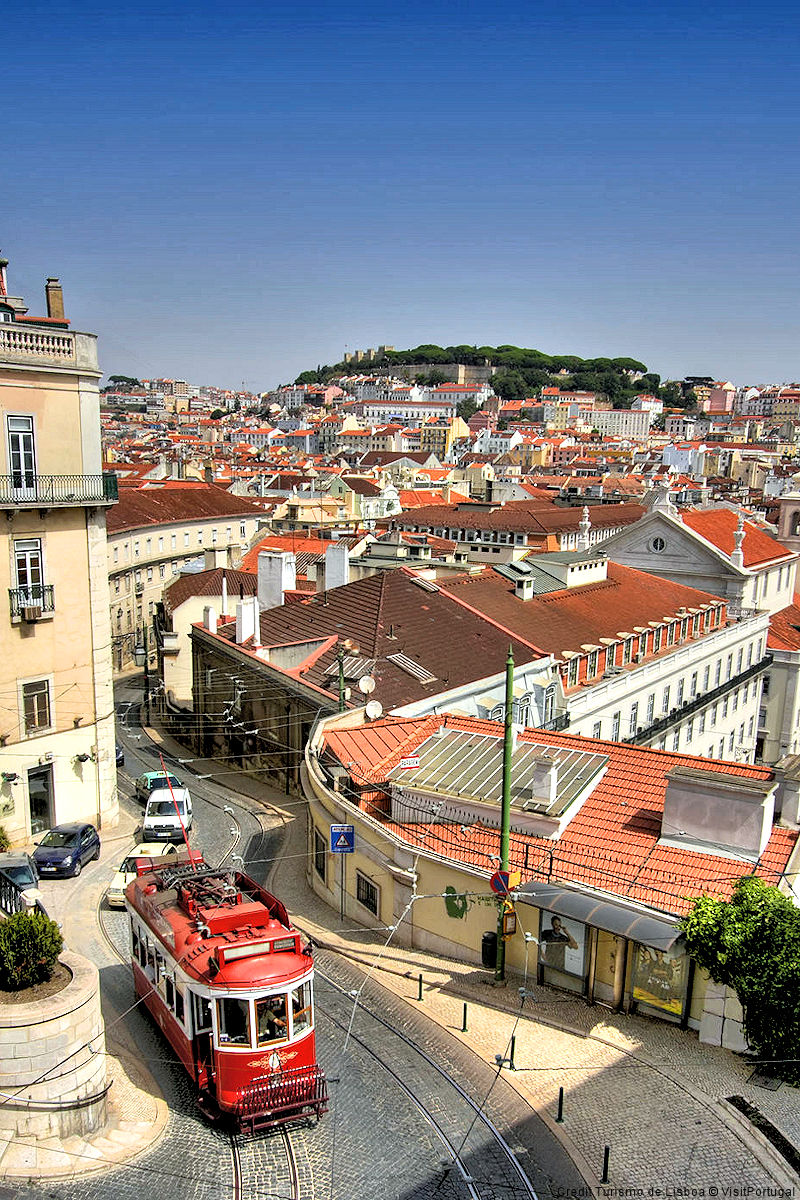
x,y
52,1059
721,1022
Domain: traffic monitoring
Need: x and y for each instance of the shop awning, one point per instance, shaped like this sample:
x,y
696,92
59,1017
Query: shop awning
x,y
603,913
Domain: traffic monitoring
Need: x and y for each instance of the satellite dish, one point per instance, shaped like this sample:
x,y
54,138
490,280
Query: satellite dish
x,y
374,710
366,684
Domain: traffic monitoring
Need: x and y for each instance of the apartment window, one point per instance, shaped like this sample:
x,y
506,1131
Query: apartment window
x,y
729,666
689,731
693,684
367,893
173,541
162,570
765,687
750,655
718,672
741,732
149,574
199,537
186,539
713,717
591,669
735,700
147,545
597,729
213,537
745,693
696,625
615,723
627,651
320,854
657,640
29,570
242,530
135,549
665,700
671,631
706,676
21,453
701,723
572,672
739,658
651,707
634,719
731,741
116,554
160,545
36,705
750,727
229,533
725,707
679,694
116,585
676,739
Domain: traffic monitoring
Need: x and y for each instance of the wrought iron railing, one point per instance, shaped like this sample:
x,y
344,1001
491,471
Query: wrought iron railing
x,y
38,595
21,488
555,723
702,700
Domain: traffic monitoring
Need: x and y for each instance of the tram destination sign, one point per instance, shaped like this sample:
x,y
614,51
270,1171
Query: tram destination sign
x,y
343,839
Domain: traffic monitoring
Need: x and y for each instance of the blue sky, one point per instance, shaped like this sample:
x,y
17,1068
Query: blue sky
x,y
237,195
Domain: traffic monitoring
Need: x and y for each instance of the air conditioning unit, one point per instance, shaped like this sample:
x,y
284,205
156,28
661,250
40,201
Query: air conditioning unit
x,y
31,612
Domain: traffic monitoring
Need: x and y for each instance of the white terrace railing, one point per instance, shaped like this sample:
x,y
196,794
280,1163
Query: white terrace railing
x,y
27,345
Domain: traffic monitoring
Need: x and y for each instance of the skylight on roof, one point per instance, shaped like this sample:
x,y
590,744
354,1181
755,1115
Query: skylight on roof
x,y
412,668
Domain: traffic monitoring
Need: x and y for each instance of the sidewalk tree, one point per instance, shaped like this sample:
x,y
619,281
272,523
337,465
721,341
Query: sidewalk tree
x,y
751,943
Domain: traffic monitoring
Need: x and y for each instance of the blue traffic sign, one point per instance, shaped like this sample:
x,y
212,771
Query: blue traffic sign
x,y
343,839
499,883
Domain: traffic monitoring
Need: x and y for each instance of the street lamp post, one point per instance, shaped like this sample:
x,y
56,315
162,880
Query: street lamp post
x,y
141,656
505,816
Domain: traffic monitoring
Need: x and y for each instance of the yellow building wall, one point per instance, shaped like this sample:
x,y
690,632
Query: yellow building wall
x,y
53,403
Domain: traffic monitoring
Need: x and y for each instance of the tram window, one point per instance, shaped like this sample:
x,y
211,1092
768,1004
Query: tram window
x,y
202,1013
301,1009
233,1016
271,1019
169,992
134,942
180,1011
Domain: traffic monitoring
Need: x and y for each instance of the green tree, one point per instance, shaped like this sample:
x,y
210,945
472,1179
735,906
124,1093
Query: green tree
x,y
124,381
510,385
30,944
216,414
466,409
752,944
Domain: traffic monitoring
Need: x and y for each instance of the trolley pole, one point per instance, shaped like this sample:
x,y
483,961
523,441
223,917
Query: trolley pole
x,y
505,814
340,658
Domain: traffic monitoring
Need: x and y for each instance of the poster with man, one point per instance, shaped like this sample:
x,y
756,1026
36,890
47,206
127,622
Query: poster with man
x,y
561,944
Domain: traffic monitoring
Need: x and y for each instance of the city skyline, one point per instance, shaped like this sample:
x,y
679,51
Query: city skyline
x,y
232,198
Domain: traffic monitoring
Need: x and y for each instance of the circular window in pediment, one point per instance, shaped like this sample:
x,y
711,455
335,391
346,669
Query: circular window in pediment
x,y
658,544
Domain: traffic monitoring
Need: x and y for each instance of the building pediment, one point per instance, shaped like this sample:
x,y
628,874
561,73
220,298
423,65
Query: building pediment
x,y
663,545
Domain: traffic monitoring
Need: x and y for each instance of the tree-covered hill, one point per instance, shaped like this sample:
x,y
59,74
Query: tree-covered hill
x,y
521,372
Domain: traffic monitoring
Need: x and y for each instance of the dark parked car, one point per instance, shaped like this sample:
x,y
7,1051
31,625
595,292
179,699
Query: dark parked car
x,y
66,849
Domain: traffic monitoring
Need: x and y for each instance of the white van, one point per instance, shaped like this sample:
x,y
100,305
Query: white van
x,y
161,822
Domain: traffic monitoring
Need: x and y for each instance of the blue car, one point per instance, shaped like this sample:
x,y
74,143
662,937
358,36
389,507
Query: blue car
x,y
65,849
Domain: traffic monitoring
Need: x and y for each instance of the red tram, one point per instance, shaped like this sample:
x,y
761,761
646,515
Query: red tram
x,y
226,976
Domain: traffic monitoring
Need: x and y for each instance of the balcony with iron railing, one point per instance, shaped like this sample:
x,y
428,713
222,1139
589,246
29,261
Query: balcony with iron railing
x,y
32,602
23,490
702,700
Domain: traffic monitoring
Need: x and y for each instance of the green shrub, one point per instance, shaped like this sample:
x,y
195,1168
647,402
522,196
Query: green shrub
x,y
30,944
5,840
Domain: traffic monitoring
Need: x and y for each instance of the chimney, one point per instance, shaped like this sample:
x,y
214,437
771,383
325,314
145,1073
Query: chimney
x,y
55,300
246,612
210,619
544,780
337,566
215,556
722,813
277,573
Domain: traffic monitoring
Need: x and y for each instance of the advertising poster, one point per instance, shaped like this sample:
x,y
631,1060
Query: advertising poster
x,y
561,943
659,978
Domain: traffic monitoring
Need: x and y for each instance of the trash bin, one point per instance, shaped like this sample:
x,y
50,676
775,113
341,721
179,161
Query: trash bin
x,y
489,948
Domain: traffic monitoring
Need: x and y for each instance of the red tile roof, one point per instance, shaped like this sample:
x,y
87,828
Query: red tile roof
x,y
717,525
784,629
612,843
174,501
